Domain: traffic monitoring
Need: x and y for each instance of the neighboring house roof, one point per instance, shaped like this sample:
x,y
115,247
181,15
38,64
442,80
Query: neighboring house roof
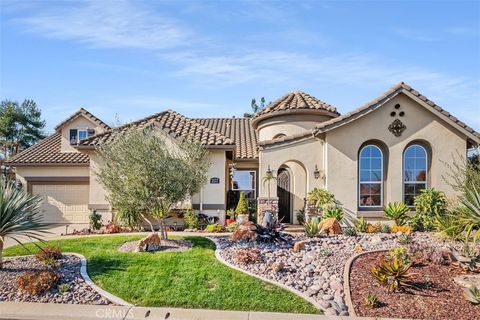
x,y
47,152
389,94
241,132
86,114
293,102
171,122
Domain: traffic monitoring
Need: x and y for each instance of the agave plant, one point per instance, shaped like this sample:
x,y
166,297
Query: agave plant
x,y
336,213
312,228
472,295
361,225
469,217
20,215
398,212
393,273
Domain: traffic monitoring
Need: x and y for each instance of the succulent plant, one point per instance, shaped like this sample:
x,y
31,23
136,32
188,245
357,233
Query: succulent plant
x,y
385,228
312,228
371,301
397,211
393,274
361,225
472,295
349,232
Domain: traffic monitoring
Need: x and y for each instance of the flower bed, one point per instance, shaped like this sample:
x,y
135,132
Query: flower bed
x,y
71,287
435,295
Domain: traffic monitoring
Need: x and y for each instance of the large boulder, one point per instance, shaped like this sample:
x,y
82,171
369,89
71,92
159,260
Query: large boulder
x,y
299,246
330,226
151,242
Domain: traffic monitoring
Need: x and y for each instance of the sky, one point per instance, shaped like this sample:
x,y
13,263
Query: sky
x,y
123,60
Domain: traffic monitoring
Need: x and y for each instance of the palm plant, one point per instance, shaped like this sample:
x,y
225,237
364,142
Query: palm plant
x,y
267,179
397,211
20,215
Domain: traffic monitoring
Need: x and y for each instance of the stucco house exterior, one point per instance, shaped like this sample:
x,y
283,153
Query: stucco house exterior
x,y
386,150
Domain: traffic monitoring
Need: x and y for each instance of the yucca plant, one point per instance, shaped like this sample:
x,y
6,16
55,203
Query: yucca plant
x,y
393,273
469,215
397,211
472,295
312,228
20,215
336,213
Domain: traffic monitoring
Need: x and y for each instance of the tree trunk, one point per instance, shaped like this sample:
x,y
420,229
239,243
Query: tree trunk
x,y
148,221
1,252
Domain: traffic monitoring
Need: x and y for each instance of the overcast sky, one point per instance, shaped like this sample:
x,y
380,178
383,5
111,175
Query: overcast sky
x,y
129,59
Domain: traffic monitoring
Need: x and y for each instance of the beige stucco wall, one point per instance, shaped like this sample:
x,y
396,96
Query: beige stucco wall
x,y
343,145
80,123
289,124
50,171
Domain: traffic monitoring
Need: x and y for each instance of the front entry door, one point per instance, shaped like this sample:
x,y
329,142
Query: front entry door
x,y
283,192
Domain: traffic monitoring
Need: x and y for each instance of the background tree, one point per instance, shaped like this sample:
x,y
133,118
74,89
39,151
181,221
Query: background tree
x,y
255,107
20,126
146,175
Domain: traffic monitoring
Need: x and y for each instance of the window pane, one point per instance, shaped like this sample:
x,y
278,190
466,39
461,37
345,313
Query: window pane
x,y
370,194
82,134
370,170
376,175
244,180
375,152
415,170
364,175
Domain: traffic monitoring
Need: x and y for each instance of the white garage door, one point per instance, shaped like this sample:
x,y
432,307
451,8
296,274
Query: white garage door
x,y
63,203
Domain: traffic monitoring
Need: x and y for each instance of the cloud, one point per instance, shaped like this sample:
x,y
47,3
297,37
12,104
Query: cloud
x,y
417,35
109,24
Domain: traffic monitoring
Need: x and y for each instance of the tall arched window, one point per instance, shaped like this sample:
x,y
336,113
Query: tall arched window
x,y
370,172
414,172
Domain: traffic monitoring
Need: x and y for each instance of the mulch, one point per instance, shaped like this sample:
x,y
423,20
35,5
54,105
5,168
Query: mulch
x,y
435,296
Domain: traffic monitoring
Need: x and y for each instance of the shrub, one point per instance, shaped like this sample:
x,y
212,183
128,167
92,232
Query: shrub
x,y
472,295
321,198
349,232
231,227
247,256
63,288
111,228
402,229
371,301
213,228
49,255
429,204
373,228
385,228
398,212
393,274
244,232
361,225
312,228
231,214
191,219
37,282
95,219
336,213
449,226
242,207
301,216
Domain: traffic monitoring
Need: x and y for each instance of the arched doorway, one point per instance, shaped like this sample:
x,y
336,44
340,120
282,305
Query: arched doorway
x,y
284,195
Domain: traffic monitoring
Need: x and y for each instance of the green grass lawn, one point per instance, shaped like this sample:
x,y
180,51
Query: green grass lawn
x,y
189,279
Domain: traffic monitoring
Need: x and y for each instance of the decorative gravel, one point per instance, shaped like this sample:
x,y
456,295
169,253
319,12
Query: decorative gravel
x,y
318,269
166,245
79,293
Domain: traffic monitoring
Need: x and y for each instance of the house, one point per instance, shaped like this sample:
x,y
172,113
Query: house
x,y
386,150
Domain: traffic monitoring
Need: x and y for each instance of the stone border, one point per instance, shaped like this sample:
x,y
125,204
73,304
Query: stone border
x,y
281,285
346,279
83,272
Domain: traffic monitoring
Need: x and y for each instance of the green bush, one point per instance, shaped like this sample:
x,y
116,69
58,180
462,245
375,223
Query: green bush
x,y
242,206
336,213
191,219
95,219
321,198
385,228
429,205
398,212
231,227
213,228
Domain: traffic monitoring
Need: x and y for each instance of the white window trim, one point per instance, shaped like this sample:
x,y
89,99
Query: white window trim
x,y
254,183
403,171
370,182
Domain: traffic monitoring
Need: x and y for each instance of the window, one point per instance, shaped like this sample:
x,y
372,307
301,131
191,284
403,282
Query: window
x,y
73,136
414,172
82,134
278,136
370,177
245,181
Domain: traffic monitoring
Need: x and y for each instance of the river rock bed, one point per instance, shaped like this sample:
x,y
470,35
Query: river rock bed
x,y
317,270
69,269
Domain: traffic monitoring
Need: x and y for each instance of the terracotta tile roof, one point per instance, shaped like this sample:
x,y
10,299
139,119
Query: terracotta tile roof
x,y
376,103
295,101
48,152
171,122
239,130
88,115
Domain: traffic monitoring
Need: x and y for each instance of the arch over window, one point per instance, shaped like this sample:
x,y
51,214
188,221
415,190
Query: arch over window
x,y
279,135
415,170
370,177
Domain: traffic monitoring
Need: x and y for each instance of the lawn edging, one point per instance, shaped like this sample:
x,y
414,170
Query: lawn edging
x,y
346,279
292,290
88,280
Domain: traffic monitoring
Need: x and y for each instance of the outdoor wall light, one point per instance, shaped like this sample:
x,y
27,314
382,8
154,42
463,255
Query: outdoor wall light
x,y
269,171
316,172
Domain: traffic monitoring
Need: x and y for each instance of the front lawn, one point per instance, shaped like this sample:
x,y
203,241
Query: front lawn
x,y
189,279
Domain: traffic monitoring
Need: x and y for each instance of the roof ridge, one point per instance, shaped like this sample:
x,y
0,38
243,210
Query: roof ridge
x,y
88,114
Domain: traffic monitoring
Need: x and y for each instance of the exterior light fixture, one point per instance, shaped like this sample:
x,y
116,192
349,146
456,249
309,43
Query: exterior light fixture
x,y
269,171
316,172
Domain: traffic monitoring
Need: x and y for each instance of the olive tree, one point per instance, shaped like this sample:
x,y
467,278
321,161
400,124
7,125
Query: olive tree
x,y
146,173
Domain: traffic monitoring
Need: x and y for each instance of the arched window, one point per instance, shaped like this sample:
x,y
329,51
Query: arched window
x,y
278,136
414,172
370,173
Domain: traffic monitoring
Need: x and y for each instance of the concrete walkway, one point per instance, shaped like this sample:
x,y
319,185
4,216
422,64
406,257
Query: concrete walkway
x,y
52,311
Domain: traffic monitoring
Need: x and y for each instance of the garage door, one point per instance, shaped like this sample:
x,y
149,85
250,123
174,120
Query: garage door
x,y
63,203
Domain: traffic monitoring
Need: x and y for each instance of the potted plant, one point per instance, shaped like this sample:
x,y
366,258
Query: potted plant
x,y
231,216
319,200
242,209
